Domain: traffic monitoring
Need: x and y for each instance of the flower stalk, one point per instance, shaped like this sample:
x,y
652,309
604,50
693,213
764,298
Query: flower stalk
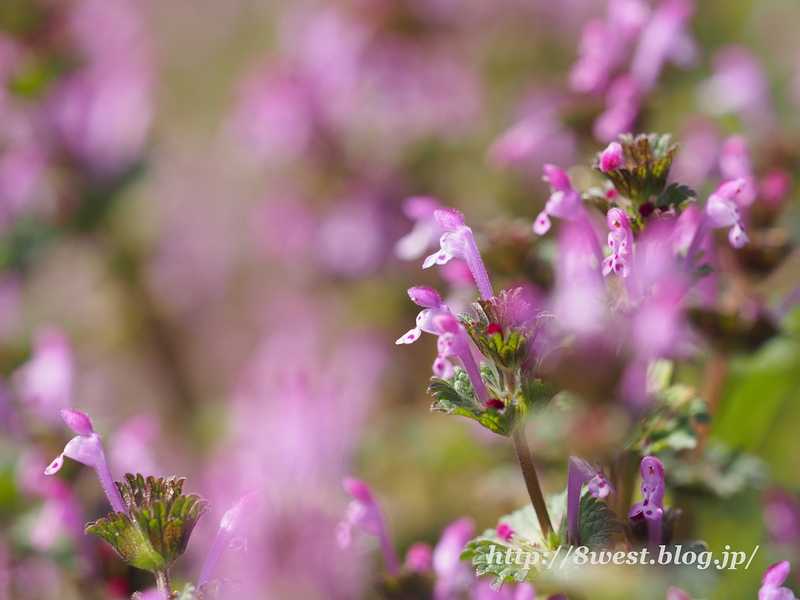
x,y
532,481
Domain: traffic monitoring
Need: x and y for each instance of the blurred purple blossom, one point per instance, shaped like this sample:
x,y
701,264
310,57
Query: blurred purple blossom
x,y
453,575
426,231
771,588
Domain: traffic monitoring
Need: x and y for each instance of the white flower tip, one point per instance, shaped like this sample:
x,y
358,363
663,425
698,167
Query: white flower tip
x,y
541,225
55,466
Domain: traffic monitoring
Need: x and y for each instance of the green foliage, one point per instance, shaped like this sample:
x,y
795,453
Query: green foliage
x,y
670,423
408,586
596,523
449,401
720,472
675,197
161,521
645,166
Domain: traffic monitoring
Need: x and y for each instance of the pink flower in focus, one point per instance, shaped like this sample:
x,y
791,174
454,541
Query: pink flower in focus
x,y
432,305
564,201
653,489
620,240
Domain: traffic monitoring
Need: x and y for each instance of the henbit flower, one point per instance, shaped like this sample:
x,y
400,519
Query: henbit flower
x,y
564,201
580,472
664,38
611,157
771,588
459,242
363,512
430,299
720,211
453,575
87,448
591,72
232,529
674,593
651,506
419,558
505,531
620,240
426,231
735,162
623,99
46,381
454,341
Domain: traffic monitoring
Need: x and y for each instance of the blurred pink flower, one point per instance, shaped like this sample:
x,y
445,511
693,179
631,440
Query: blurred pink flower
x,y
664,38
623,100
771,588
426,231
130,447
453,575
45,383
734,163
274,115
738,86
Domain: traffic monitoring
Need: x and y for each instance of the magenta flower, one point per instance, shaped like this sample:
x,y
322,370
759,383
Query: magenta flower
x,y
580,472
651,506
623,100
364,513
611,157
46,381
419,558
459,242
87,448
564,201
771,588
505,531
674,593
232,529
426,231
735,163
620,240
432,305
652,471
664,38
590,74
454,341
453,575
720,211
482,590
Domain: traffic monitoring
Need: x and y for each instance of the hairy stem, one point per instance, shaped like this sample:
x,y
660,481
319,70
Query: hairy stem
x,y
531,480
162,581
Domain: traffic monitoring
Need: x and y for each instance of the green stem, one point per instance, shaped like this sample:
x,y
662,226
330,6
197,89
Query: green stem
x,y
531,480
162,581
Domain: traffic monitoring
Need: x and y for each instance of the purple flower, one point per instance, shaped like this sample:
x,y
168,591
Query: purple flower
x,y
591,72
232,529
611,157
674,593
452,574
651,506
87,448
482,590
735,163
433,306
419,558
782,518
663,38
454,341
622,107
771,588
505,532
564,201
620,240
740,86
46,381
722,211
580,472
364,513
652,471
426,231
459,242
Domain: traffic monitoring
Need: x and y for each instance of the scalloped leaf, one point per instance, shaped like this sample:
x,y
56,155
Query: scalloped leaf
x,y
130,542
138,492
449,401
596,523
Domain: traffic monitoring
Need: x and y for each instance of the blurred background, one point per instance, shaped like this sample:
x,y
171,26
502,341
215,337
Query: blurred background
x,y
200,210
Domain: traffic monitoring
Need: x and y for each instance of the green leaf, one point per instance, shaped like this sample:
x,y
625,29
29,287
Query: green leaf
x,y
449,401
161,521
675,196
670,424
597,523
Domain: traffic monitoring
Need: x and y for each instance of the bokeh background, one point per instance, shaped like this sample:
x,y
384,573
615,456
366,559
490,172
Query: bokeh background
x,y
200,203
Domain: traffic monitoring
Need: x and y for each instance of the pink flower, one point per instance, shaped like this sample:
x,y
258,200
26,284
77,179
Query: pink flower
x,y
87,448
452,574
458,242
419,558
426,231
564,201
622,107
611,157
620,240
771,588
432,305
652,471
722,211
